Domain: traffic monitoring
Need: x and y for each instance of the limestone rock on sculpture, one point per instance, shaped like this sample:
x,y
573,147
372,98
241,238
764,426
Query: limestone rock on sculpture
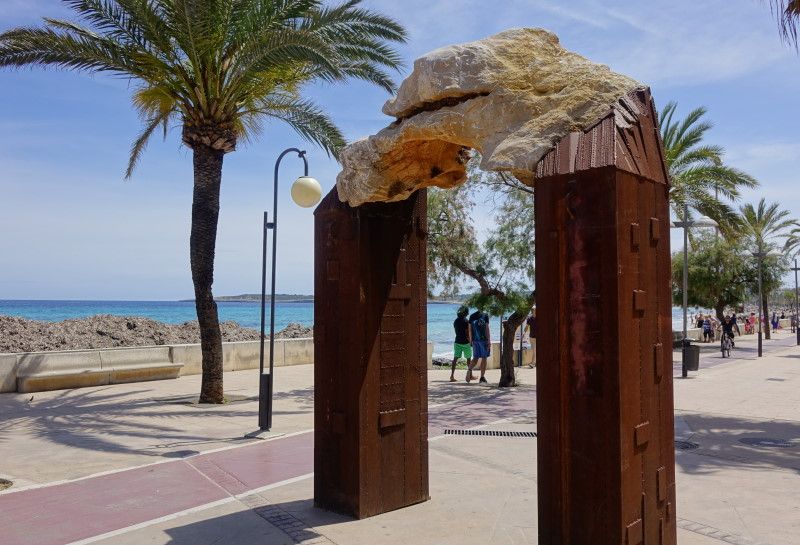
x,y
511,97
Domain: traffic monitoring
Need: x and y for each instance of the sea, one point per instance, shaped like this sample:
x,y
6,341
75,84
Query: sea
x,y
247,314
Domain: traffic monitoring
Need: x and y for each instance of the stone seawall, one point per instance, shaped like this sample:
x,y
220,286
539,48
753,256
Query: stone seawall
x,y
72,368
237,356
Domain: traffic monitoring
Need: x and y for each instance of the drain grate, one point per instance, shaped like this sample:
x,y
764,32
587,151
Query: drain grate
x,y
685,445
766,442
491,433
5,483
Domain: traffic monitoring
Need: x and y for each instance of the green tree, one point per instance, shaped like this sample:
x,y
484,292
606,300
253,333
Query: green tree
x,y
502,265
766,227
219,69
719,275
698,175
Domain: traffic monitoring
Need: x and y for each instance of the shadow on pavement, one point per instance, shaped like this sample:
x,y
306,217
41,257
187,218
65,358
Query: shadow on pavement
x,y
284,523
93,419
720,447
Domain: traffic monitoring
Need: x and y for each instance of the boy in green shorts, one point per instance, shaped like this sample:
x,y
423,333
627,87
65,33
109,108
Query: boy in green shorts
x,y
463,343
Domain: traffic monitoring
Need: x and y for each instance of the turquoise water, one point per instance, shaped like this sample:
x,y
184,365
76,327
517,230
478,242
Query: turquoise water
x,y
440,316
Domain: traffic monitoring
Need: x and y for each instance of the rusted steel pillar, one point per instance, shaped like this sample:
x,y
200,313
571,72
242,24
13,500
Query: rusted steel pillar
x,y
606,461
370,347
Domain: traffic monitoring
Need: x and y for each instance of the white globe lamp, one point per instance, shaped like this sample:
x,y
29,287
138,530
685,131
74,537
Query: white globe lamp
x,y
306,191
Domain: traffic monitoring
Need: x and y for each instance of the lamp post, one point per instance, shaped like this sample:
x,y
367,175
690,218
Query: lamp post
x,y
306,192
702,221
796,304
760,255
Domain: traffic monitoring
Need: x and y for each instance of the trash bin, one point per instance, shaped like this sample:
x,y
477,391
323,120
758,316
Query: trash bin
x,y
691,356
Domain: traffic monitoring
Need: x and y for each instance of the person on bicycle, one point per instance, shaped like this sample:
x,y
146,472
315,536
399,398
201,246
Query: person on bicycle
x,y
727,329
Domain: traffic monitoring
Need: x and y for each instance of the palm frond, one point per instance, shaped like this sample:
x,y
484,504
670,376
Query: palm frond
x,y
767,224
368,72
788,14
309,121
699,177
217,64
140,143
47,47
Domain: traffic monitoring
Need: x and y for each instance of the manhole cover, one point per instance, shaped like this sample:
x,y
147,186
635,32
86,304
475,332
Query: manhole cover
x,y
5,483
766,442
491,433
685,445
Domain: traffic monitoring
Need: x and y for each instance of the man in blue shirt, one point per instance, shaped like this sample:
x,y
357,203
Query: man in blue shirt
x,y
481,342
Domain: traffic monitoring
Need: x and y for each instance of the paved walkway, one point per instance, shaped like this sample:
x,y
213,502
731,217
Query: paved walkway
x,y
138,463
72,511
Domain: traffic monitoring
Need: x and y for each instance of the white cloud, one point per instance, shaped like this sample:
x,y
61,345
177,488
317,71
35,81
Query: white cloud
x,y
776,151
29,11
657,42
776,163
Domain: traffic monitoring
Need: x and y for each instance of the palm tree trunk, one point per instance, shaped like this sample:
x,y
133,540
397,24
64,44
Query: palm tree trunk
x,y
719,310
768,323
507,375
202,244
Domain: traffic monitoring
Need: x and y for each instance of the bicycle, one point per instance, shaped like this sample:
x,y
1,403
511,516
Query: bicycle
x,y
726,344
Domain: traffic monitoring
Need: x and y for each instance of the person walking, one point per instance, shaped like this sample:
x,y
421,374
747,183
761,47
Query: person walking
x,y
530,327
481,343
708,331
462,347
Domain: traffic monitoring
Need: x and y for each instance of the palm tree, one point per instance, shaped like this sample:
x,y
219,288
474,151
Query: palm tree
x,y
791,247
696,170
788,14
220,69
765,226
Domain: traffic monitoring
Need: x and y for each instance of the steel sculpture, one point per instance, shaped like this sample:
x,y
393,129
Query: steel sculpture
x,y
370,346
606,461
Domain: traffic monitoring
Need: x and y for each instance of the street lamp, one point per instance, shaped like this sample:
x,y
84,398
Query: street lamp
x,y
306,192
796,304
702,221
760,255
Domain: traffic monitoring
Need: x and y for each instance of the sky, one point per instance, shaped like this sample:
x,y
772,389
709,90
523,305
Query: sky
x,y
72,228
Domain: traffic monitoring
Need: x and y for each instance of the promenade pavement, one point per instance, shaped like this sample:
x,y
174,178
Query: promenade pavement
x,y
140,463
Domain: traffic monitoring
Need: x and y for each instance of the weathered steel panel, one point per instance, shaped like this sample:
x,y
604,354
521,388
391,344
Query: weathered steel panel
x,y
604,380
376,379
628,139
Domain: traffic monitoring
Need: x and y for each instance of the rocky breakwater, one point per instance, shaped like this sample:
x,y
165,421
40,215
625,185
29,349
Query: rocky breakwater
x,y
106,331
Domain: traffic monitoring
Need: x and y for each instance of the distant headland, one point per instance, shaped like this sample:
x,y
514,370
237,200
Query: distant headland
x,y
250,297
299,298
